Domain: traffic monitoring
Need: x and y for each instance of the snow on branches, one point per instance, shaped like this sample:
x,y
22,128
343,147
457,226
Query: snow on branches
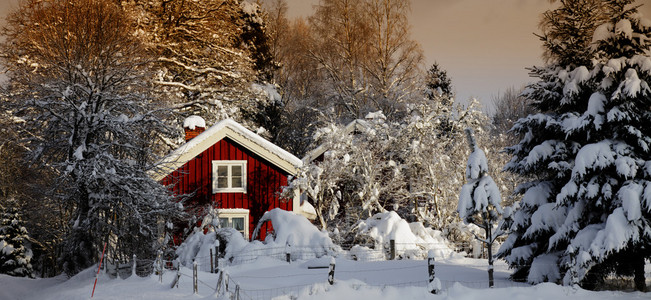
x,y
587,210
479,199
480,194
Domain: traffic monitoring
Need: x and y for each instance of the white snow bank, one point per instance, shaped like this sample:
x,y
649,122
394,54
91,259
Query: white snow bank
x,y
412,240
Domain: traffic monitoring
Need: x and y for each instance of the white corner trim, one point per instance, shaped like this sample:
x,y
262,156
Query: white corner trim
x,y
296,202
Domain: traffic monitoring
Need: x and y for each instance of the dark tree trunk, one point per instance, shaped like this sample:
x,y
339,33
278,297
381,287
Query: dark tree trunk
x,y
489,235
638,271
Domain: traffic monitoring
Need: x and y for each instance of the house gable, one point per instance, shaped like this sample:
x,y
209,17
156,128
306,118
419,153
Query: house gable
x,y
236,132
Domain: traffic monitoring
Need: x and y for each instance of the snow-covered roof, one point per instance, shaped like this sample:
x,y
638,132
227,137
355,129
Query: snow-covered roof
x,y
355,125
236,132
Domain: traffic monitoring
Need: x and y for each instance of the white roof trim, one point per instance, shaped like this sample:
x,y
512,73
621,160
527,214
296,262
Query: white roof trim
x,y
236,132
357,124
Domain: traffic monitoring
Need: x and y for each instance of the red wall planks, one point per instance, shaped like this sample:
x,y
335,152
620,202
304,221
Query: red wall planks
x,y
264,181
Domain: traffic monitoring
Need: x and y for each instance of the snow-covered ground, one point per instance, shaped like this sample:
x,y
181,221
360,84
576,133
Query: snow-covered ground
x,y
258,271
265,278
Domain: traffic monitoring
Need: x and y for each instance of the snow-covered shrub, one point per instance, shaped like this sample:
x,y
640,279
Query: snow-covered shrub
x,y
198,245
377,164
411,240
305,240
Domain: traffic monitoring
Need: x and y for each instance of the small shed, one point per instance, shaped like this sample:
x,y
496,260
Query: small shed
x,y
231,168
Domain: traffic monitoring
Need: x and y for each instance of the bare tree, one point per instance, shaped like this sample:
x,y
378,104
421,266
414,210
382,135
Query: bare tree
x,y
394,59
366,54
341,37
509,106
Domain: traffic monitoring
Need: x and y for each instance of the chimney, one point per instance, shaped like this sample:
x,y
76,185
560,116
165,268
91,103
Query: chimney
x,y
193,126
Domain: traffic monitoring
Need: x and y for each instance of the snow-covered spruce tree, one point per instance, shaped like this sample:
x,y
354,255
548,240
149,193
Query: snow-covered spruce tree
x,y
438,85
480,200
589,211
79,80
15,256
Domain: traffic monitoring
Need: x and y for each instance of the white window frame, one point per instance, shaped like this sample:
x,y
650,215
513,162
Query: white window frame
x,y
229,164
230,213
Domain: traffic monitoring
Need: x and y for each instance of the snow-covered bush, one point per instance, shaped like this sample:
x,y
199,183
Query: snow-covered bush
x,y
412,240
461,235
197,246
304,239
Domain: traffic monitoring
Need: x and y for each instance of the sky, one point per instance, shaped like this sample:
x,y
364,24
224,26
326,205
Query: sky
x,y
484,45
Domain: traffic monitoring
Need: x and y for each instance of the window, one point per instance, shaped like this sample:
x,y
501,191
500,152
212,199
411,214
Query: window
x,y
229,176
235,218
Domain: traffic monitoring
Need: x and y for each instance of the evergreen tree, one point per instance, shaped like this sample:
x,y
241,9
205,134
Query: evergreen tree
x,y
438,85
480,199
15,256
588,211
567,31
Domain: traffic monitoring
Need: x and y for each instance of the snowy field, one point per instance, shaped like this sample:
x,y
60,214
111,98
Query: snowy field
x,y
265,278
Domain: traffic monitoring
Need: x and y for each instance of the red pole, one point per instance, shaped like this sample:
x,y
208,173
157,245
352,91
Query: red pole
x,y
98,267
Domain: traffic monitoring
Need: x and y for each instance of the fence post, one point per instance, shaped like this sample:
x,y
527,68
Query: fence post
x,y
160,266
195,288
226,280
434,284
133,271
218,288
178,274
392,249
212,266
331,273
237,292
288,248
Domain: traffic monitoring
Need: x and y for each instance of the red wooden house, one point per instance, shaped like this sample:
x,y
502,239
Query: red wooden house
x,y
233,169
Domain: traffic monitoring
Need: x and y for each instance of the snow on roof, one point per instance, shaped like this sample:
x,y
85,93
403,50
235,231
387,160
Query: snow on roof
x,y
233,130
